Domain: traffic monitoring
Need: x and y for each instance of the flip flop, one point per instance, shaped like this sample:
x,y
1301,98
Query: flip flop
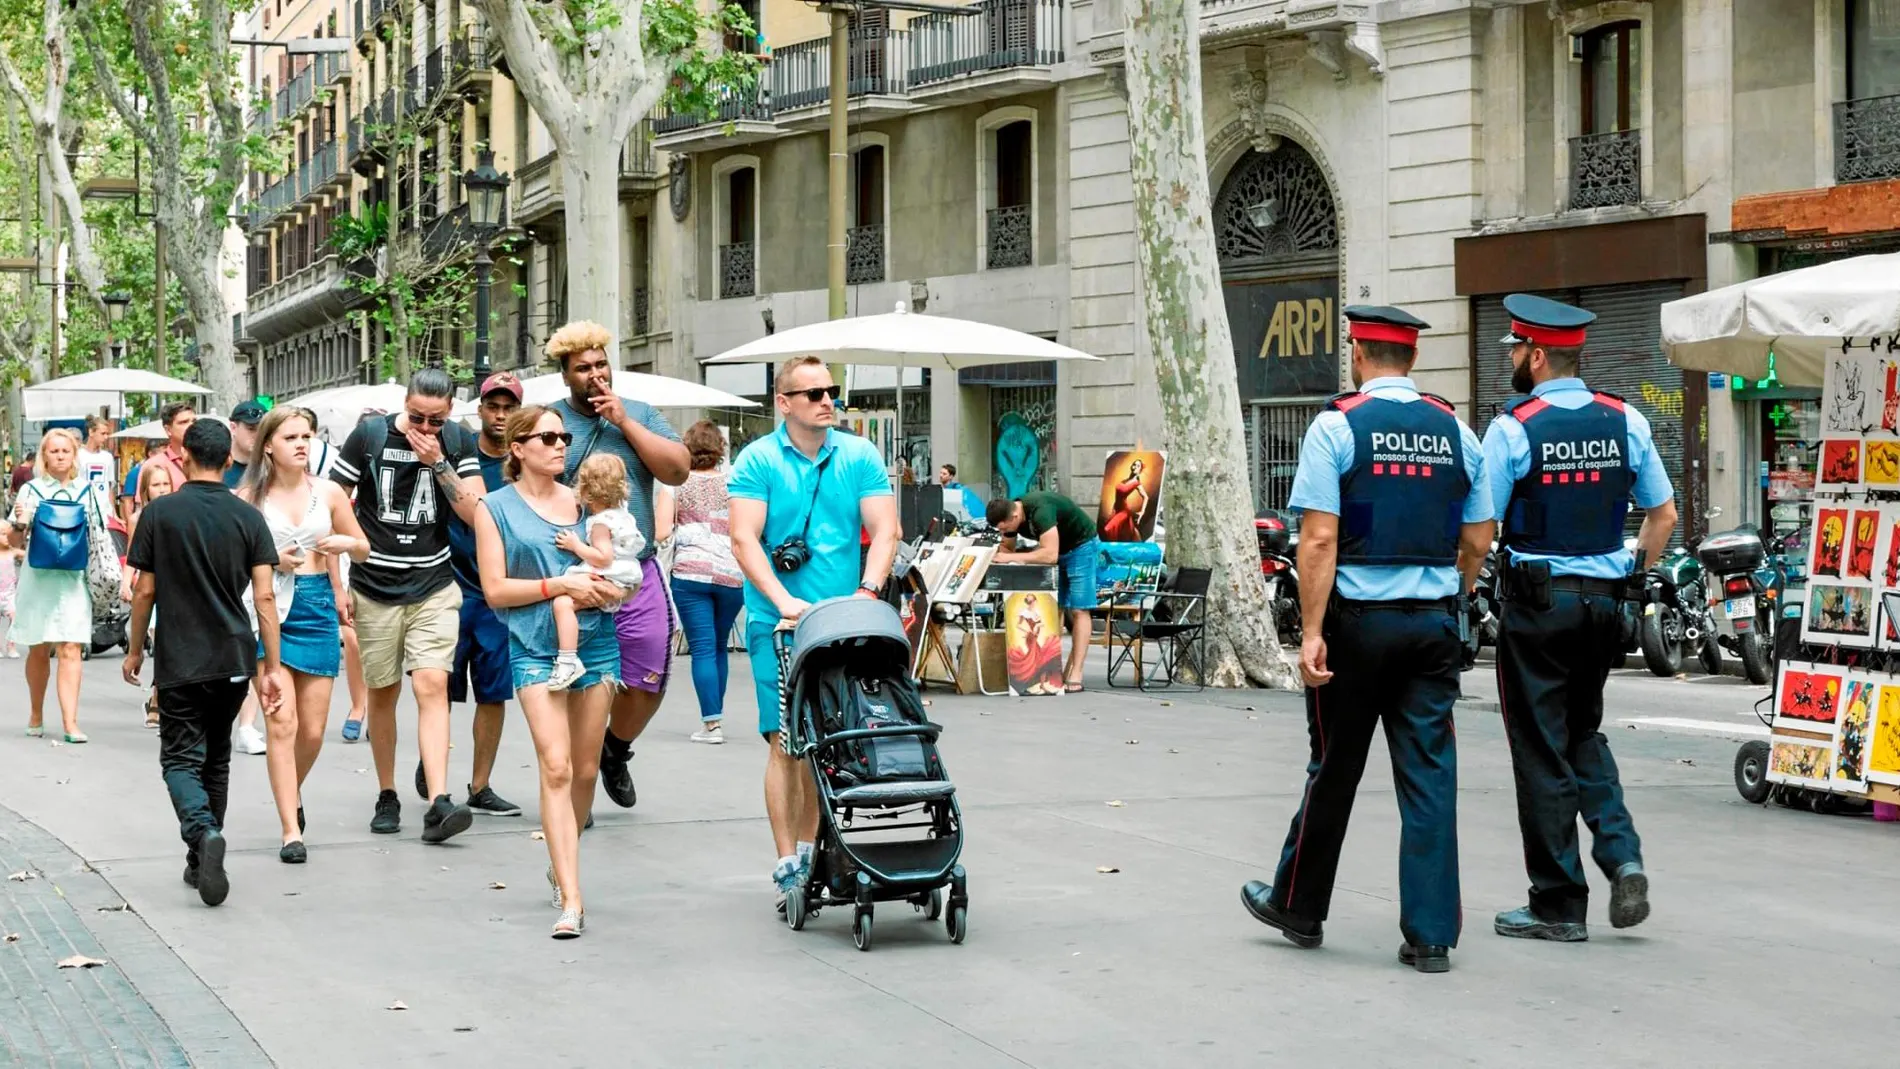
x,y
1072,688
352,730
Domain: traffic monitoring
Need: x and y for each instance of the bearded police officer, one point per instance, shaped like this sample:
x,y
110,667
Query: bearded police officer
x,y
1396,508
1563,463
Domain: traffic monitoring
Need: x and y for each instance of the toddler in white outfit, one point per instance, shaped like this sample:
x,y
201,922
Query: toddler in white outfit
x,y
612,551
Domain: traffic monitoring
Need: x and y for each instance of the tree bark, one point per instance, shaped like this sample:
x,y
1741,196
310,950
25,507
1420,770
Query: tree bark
x,y
590,166
1210,522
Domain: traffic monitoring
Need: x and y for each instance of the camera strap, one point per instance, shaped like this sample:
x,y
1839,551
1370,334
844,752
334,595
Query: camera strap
x,y
812,505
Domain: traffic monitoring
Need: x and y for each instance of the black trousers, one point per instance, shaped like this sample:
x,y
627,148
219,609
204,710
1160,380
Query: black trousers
x,y
194,737
1394,663
1552,665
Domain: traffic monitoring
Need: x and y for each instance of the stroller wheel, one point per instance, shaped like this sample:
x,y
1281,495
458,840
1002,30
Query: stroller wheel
x,y
933,908
958,923
861,929
795,913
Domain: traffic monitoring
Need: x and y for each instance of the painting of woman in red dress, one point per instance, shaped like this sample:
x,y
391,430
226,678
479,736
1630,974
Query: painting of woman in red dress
x,y
1034,638
1131,496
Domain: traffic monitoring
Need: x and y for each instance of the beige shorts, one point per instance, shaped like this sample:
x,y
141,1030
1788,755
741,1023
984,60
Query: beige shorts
x,y
396,639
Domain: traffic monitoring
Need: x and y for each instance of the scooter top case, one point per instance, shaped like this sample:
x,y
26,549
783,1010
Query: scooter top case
x,y
1731,551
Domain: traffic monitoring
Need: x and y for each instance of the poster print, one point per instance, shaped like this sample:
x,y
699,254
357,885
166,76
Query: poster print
x,y
1839,613
1849,771
1863,532
1800,762
1032,629
1851,400
1131,495
966,575
1883,748
1840,463
1828,542
1881,466
1808,697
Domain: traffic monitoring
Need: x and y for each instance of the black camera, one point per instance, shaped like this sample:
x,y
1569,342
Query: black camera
x,y
790,555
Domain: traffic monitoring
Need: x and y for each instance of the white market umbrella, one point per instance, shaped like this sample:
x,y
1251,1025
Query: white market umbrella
x,y
902,339
145,431
85,394
660,391
340,408
1799,316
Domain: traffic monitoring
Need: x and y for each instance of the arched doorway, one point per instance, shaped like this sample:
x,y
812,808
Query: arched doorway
x,y
1277,235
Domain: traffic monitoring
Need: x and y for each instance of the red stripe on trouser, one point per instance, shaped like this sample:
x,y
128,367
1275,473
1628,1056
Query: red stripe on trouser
x,y
1306,805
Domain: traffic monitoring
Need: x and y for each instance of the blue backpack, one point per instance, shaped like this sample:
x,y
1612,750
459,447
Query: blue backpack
x,y
59,541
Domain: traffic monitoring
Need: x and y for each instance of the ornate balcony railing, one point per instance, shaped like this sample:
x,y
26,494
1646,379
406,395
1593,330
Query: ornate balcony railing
x,y
1606,169
864,254
1867,139
738,269
800,74
752,103
468,53
1007,235
1003,34
642,324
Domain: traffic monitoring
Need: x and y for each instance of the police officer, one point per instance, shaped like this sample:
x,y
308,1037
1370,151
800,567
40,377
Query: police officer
x,y
1396,507
1563,463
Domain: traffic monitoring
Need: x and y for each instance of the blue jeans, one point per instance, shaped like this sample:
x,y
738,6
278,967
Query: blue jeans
x,y
707,611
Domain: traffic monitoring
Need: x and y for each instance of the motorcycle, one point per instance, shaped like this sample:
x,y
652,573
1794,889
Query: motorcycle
x,y
1740,606
1676,615
1484,601
1278,533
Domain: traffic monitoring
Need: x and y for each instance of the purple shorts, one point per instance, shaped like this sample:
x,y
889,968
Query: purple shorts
x,y
644,626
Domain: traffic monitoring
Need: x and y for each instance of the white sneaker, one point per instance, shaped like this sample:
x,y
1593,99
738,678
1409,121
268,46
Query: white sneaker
x,y
250,741
565,673
712,735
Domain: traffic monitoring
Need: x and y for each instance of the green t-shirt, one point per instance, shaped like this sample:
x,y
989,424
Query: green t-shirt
x,y
1043,509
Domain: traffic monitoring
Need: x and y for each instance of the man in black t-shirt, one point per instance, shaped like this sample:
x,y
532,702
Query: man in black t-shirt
x,y
410,472
197,550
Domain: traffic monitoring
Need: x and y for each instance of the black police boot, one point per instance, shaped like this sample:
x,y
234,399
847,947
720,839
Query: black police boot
x,y
1629,896
1428,958
1302,933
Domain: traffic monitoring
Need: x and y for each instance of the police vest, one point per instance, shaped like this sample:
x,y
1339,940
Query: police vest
x,y
1572,501
1403,500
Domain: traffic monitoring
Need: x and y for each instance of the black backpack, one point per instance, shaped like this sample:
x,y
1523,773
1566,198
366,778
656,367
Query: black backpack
x,y
851,702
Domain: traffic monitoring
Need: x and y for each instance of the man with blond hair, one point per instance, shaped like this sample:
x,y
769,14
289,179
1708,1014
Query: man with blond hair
x,y
602,422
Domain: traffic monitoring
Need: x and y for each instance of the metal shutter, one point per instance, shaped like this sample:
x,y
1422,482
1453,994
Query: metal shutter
x,y
1623,356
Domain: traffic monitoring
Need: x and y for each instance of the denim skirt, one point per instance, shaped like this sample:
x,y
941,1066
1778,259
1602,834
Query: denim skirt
x,y
310,640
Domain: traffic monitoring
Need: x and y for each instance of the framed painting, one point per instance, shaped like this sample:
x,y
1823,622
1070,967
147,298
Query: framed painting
x,y
1808,697
1883,738
1800,762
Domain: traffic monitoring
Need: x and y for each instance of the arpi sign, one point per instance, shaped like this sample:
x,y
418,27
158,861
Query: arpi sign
x,y
1286,336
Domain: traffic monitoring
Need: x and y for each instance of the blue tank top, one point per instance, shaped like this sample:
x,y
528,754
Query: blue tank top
x,y
528,547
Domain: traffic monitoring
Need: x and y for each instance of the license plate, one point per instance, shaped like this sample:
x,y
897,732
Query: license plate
x,y
1737,607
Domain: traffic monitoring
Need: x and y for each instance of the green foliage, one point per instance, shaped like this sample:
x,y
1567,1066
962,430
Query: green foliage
x,y
673,32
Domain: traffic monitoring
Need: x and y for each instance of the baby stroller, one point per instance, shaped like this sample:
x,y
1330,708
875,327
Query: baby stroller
x,y
849,707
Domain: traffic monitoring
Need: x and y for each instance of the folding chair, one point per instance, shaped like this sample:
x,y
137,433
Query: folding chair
x,y
1173,618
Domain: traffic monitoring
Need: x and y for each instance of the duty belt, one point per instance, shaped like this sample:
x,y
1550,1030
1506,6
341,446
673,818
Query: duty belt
x,y
1611,588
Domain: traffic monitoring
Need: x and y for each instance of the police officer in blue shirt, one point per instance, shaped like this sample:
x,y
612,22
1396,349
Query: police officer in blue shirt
x,y
1397,521
1563,463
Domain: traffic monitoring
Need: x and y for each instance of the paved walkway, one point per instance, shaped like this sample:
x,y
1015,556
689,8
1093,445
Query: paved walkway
x,y
684,963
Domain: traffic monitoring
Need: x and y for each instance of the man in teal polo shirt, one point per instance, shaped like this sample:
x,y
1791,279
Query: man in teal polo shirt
x,y
809,483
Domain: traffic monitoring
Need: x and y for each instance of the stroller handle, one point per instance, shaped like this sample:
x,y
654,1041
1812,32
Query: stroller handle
x,y
928,731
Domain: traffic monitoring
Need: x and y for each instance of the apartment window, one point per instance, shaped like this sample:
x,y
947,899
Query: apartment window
x,y
864,253
1612,73
737,180
1873,48
1606,159
1006,143
641,248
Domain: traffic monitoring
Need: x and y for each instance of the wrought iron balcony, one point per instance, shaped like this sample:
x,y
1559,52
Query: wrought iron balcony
x,y
1007,233
738,269
1867,139
412,91
864,254
752,103
800,74
1606,169
642,324
1003,34
469,59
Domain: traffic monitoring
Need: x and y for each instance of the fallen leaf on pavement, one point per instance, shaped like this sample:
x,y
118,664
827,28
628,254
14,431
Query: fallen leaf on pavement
x,y
13,937
1164,704
1173,750
123,907
1106,869
465,1028
1117,803
80,961
22,877
1250,708
361,771
538,837
399,1005
1685,761
497,886
1253,718
1134,742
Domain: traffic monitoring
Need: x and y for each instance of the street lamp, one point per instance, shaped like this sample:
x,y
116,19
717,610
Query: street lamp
x,y
116,303
486,188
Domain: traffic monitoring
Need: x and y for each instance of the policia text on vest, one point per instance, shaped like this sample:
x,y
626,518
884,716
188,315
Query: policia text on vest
x,y
1564,463
1398,518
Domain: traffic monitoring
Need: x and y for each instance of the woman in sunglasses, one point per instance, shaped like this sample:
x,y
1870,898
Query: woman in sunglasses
x,y
523,571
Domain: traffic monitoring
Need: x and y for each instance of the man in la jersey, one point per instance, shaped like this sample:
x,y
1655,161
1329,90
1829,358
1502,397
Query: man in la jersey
x,y
1396,522
1564,462
410,471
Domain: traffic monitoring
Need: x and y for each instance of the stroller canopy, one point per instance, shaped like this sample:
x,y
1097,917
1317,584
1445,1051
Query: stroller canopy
x,y
870,628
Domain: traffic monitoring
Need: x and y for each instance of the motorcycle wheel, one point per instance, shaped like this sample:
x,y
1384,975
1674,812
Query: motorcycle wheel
x,y
1755,659
1710,655
1661,653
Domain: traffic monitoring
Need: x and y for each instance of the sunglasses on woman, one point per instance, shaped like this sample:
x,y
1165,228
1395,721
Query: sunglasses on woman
x,y
815,393
547,438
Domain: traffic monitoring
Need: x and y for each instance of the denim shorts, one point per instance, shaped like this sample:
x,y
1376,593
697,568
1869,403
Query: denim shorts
x,y
1078,584
600,655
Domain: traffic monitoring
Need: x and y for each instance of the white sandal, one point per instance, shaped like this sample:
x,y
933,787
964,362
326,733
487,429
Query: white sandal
x,y
572,923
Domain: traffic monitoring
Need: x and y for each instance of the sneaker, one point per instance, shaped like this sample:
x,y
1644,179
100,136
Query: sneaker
x,y
388,818
712,735
250,741
486,802
422,783
445,820
566,671
788,875
616,777
352,730
213,885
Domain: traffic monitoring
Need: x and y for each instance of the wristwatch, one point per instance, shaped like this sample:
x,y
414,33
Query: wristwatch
x,y
867,588
443,467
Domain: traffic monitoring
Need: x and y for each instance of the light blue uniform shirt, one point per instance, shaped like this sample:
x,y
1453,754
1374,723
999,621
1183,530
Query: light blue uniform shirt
x,y
1326,455
829,489
1507,456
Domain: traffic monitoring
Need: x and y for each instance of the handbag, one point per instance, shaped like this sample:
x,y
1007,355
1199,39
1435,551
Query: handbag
x,y
58,539
104,574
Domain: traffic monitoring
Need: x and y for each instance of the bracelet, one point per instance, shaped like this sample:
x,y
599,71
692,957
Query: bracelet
x,y
544,590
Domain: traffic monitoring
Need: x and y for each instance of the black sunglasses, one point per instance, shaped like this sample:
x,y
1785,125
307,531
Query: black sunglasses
x,y
433,421
815,393
547,438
